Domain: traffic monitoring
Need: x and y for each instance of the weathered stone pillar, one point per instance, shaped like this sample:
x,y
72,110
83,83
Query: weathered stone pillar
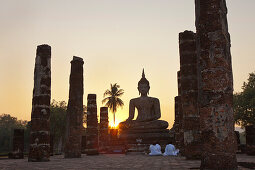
x,y
189,95
18,144
103,129
177,122
92,126
83,144
250,139
74,118
215,85
179,116
39,149
51,145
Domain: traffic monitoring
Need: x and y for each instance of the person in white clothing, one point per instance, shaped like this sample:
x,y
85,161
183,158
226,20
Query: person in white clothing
x,y
170,150
155,149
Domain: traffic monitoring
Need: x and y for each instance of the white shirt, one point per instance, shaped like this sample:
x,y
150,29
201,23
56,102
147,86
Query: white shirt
x,y
155,150
171,150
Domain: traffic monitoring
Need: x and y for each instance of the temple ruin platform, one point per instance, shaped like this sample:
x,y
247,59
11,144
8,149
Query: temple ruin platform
x,y
111,161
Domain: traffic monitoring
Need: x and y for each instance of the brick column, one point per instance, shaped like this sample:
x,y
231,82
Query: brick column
x,y
250,139
215,85
177,122
103,129
180,135
92,126
74,117
189,95
18,144
39,149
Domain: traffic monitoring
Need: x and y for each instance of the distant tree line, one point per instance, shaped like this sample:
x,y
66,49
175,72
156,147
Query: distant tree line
x,y
244,103
57,127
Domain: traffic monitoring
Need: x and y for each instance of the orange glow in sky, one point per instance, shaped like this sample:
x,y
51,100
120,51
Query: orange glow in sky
x,y
114,126
116,39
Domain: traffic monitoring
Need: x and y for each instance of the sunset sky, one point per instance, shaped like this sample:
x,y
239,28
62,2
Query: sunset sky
x,y
116,39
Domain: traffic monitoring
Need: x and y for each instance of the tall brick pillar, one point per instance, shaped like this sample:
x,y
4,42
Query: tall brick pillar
x,y
215,85
177,122
39,149
189,95
18,144
180,137
74,119
103,128
92,126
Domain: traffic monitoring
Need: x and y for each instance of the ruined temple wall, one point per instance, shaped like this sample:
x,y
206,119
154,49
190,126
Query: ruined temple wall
x,y
75,110
189,94
215,85
39,148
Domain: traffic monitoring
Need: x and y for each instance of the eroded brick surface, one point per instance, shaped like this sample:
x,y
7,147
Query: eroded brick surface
x,y
189,95
39,149
92,126
215,85
75,110
18,144
103,128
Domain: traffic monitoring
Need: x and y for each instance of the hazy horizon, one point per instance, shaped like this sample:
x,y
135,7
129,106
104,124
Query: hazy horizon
x,y
116,39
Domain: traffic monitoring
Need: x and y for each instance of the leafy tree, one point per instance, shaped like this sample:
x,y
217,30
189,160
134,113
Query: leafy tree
x,y
113,101
7,125
58,120
244,103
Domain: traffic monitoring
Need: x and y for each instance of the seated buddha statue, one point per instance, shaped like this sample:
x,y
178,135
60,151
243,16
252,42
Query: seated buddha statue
x,y
148,110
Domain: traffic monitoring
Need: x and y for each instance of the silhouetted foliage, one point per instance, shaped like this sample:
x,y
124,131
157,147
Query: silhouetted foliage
x,y
7,125
58,120
244,103
113,101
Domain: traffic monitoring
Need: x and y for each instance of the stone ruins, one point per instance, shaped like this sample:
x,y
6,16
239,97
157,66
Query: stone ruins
x,y
103,128
92,126
74,117
39,149
189,95
17,144
204,124
207,89
215,84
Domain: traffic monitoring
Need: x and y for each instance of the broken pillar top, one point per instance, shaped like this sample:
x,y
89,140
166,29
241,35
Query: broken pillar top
x,y
103,109
187,35
77,59
92,96
44,50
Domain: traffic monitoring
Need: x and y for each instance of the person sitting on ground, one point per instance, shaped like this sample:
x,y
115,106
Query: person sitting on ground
x,y
170,150
155,149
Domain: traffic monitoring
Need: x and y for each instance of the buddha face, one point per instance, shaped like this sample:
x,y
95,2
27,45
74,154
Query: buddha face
x,y
143,89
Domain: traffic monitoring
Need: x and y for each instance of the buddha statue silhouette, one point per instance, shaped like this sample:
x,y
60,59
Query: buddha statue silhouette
x,y
148,110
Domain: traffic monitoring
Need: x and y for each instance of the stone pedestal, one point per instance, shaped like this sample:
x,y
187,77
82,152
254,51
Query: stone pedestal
x,y
74,117
103,128
189,95
39,149
250,139
18,145
92,126
215,85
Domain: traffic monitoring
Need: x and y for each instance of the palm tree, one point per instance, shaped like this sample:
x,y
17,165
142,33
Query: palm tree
x,y
113,101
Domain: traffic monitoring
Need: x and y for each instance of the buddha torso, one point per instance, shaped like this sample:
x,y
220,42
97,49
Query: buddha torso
x,y
148,108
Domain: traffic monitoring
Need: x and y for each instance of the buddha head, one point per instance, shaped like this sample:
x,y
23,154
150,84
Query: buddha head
x,y
143,85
